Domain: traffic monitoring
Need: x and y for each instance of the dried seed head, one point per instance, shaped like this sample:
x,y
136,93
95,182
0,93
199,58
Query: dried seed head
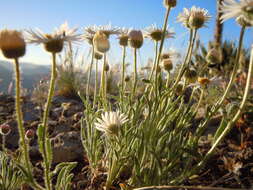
x,y
5,129
170,3
98,56
203,81
127,78
54,45
101,42
29,134
214,56
135,38
167,65
12,44
191,75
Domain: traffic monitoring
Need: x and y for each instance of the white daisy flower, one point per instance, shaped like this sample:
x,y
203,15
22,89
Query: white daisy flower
x,y
155,33
194,18
110,122
106,29
232,8
53,42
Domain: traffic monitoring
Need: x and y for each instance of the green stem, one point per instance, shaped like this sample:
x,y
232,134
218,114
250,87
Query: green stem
x,y
154,64
123,72
237,115
200,101
89,75
21,129
44,123
168,80
161,47
96,85
135,73
181,70
20,120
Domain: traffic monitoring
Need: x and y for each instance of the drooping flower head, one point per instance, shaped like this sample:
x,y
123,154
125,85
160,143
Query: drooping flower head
x,y
194,18
135,39
5,129
12,44
110,122
54,42
155,33
235,9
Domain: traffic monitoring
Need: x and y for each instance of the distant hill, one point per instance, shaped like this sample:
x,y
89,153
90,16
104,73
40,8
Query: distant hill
x,y
30,73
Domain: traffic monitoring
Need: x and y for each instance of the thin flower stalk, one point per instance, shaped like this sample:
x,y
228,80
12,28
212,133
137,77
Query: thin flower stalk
x,y
45,121
96,83
19,115
135,73
161,44
123,72
200,100
154,64
89,75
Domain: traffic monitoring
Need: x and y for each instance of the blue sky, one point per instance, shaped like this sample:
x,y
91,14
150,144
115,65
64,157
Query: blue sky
x,y
48,14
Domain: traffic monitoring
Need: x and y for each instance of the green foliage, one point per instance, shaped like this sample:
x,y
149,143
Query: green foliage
x,y
11,176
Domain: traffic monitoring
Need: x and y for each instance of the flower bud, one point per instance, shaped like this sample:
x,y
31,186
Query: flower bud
x,y
127,78
107,67
170,3
167,65
123,40
214,56
29,134
191,75
179,87
12,44
5,129
101,42
98,56
135,39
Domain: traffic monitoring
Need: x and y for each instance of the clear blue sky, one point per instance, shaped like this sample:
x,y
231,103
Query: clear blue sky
x,y
48,14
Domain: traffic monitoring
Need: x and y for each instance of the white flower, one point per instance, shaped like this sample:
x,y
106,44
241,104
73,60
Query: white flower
x,y
155,33
106,29
54,42
111,122
232,8
194,18
62,33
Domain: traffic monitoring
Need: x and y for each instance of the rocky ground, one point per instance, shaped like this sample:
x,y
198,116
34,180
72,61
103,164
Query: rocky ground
x,y
231,166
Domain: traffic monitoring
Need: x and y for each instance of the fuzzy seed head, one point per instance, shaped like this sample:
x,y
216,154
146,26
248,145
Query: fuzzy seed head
x,y
135,39
12,44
